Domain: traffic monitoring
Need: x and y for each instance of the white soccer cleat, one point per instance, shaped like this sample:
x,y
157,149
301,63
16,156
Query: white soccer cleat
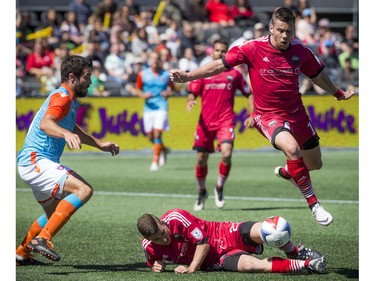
x,y
219,198
162,159
317,266
321,215
154,167
199,204
163,156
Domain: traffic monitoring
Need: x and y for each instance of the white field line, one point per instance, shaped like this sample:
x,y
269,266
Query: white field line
x,y
145,194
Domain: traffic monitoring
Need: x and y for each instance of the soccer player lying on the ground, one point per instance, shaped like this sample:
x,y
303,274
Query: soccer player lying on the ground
x,y
275,62
216,121
195,244
59,190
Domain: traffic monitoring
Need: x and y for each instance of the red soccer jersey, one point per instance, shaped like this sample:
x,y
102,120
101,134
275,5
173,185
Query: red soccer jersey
x,y
186,232
274,74
217,95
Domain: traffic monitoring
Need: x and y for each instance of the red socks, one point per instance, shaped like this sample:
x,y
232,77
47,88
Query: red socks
x,y
300,174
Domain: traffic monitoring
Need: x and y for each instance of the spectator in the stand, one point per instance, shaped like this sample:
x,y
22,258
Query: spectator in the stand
x,y
71,26
136,67
105,10
25,27
290,5
348,51
20,71
39,62
243,14
197,11
349,75
97,87
171,12
134,8
219,13
305,29
303,4
98,33
189,40
116,65
94,52
188,62
163,45
83,11
323,34
350,36
330,59
259,30
173,39
139,41
122,26
145,21
51,19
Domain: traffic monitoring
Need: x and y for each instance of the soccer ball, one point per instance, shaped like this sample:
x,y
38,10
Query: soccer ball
x,y
275,231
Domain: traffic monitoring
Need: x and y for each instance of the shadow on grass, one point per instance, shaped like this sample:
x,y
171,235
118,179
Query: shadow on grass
x,y
103,268
348,273
264,208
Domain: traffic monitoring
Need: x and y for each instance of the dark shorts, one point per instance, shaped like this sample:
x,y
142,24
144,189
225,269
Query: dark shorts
x,y
303,131
229,261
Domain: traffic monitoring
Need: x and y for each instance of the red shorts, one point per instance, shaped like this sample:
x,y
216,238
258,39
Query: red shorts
x,y
302,130
204,137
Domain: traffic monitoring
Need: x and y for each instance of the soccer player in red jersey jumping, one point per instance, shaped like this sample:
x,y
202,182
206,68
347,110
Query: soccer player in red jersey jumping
x,y
195,244
217,120
275,62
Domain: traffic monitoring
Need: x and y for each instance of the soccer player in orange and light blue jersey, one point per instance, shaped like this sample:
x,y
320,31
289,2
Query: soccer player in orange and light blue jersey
x,y
153,85
58,189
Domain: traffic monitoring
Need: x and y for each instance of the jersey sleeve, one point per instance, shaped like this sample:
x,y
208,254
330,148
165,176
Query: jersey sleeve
x,y
311,66
242,85
149,252
139,82
182,223
237,55
59,105
195,87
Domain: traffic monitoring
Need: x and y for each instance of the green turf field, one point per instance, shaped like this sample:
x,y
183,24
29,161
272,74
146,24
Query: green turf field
x,y
101,241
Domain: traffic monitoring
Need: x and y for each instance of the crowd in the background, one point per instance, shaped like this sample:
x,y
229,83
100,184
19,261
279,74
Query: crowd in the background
x,y
118,35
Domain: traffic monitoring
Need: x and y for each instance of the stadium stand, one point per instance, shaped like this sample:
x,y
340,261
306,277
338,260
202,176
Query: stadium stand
x,y
340,13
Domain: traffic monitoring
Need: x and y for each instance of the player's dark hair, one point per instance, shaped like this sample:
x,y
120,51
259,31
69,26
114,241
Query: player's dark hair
x,y
148,225
285,15
221,41
74,64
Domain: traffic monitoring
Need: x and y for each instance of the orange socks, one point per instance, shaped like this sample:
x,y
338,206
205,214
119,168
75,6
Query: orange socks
x,y
64,210
34,230
157,150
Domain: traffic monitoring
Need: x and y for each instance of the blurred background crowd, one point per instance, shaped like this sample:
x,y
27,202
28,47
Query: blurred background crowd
x,y
118,34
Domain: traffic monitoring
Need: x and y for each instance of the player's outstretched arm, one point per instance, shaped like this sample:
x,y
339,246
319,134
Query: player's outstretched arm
x,y
190,102
209,69
90,140
199,256
324,82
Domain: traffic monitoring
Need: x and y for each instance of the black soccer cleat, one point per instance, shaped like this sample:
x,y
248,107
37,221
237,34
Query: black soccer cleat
x,y
305,254
43,247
